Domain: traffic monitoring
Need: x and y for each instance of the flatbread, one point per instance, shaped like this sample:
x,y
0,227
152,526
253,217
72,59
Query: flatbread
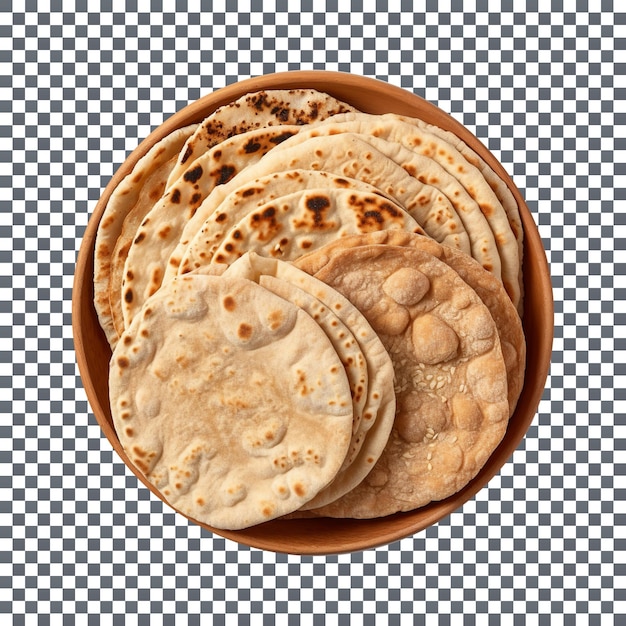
x,y
373,395
350,156
484,219
498,185
451,384
199,409
129,203
443,152
256,110
489,289
304,221
160,231
248,197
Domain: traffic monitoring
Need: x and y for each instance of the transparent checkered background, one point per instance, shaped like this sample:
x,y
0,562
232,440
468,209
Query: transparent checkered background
x,y
544,88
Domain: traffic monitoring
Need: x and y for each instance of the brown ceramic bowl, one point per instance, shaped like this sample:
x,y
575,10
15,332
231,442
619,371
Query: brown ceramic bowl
x,y
328,536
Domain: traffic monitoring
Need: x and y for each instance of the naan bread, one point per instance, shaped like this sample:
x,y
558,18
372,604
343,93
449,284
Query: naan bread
x,y
451,383
272,107
373,395
231,401
127,206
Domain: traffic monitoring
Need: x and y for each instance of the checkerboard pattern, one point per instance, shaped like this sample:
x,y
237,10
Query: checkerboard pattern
x,y
544,88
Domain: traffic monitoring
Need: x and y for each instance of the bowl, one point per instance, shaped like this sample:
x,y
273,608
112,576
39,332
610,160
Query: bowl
x,y
321,535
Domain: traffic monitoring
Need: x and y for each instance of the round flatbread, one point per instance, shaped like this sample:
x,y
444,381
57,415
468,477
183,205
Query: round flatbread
x,y
199,408
245,199
304,221
352,157
500,188
439,162
373,394
130,201
488,288
159,232
451,384
485,246
272,107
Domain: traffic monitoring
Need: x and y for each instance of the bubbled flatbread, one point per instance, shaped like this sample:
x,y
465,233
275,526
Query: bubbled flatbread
x,y
489,289
272,107
130,201
199,409
372,391
451,384
303,221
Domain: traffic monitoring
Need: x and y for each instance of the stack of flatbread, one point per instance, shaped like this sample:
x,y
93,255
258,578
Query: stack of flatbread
x,y
313,311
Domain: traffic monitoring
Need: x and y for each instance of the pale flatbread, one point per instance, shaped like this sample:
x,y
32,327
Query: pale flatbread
x,y
451,383
255,110
199,408
375,404
129,202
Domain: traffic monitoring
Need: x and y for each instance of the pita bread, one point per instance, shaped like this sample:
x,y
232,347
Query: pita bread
x,y
199,409
451,385
274,107
129,203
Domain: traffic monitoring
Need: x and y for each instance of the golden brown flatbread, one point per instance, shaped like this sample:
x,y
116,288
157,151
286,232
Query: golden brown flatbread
x,y
451,382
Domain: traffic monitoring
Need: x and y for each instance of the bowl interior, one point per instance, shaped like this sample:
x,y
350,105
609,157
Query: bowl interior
x,y
330,536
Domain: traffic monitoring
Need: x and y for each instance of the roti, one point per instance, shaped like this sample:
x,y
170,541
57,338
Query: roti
x,y
372,391
127,206
352,157
485,241
273,107
498,185
245,199
159,232
487,287
201,413
304,221
451,384
445,161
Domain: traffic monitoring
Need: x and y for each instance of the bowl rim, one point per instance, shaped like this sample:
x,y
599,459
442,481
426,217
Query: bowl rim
x,y
332,538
